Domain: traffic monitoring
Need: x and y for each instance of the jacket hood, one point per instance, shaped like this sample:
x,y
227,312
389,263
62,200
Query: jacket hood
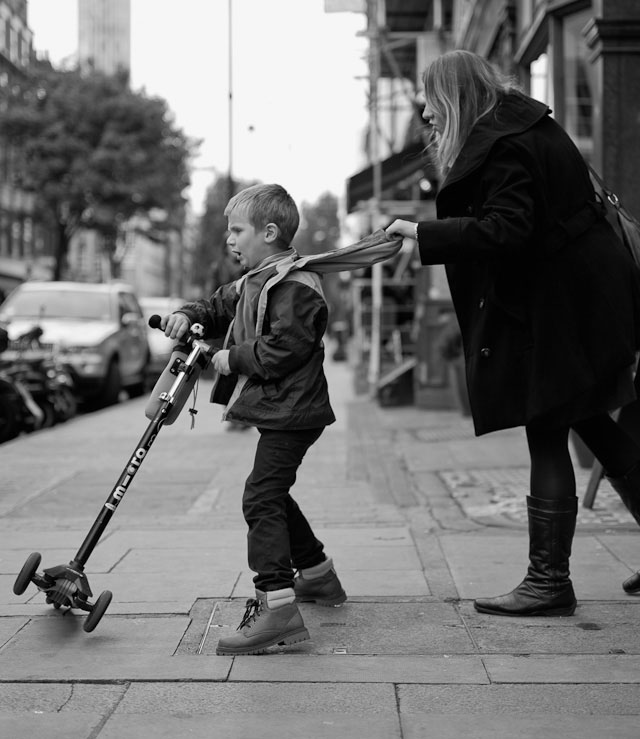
x,y
514,114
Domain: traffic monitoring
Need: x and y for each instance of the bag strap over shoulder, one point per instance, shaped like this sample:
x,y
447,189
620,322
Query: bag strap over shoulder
x,y
612,197
628,226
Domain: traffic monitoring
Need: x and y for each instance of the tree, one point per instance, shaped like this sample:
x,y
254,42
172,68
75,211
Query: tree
x,y
212,230
320,227
95,152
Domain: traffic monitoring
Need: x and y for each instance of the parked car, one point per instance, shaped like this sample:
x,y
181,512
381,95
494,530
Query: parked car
x,y
97,330
160,346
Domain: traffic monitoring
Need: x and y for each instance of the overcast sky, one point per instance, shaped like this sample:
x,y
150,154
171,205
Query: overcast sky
x,y
298,81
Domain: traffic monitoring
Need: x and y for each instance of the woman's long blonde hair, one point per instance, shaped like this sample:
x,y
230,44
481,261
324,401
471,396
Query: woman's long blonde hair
x,y
460,87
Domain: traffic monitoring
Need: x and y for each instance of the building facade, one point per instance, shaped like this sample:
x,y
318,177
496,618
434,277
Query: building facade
x,y
22,243
581,57
104,35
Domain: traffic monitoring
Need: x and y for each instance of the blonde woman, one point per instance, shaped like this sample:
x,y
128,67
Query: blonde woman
x,y
547,298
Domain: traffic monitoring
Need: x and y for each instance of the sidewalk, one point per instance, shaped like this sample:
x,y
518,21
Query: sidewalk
x,y
420,517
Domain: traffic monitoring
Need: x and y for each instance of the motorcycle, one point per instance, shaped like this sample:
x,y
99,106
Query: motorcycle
x,y
36,387
18,410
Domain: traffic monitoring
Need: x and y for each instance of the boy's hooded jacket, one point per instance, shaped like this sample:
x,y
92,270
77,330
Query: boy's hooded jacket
x,y
546,295
281,382
274,318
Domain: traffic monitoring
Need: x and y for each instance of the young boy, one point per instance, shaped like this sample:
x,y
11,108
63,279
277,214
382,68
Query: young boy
x,y
277,353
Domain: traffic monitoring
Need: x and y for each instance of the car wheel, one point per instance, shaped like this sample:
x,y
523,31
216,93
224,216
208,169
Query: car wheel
x,y
49,414
9,423
112,385
140,388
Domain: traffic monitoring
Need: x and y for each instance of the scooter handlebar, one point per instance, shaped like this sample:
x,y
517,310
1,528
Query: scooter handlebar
x,y
195,332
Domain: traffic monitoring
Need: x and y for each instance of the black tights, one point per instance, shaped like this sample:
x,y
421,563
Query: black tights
x,y
552,476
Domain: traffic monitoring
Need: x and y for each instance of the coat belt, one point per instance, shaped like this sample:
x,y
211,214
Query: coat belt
x,y
567,230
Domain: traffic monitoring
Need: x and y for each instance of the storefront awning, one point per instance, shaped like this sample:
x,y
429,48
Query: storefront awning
x,y
396,168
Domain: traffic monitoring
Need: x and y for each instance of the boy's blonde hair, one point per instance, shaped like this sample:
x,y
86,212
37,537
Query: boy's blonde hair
x,y
461,87
268,204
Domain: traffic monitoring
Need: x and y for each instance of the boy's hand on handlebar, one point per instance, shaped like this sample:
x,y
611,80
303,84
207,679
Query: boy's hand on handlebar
x,y
175,325
220,362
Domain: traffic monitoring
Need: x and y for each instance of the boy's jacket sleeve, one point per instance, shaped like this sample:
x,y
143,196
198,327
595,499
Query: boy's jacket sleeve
x,y
214,313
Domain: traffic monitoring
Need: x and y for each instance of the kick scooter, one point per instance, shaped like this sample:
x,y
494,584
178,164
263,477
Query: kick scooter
x,y
67,585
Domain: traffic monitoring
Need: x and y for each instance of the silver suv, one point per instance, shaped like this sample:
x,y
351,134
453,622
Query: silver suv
x,y
96,330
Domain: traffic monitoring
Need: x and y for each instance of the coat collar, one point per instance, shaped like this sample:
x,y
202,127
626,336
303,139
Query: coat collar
x,y
514,114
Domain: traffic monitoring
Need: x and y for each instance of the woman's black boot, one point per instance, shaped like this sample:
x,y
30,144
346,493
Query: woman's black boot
x,y
628,488
546,590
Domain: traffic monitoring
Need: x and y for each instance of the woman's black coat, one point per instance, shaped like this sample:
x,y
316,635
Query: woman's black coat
x,y
545,316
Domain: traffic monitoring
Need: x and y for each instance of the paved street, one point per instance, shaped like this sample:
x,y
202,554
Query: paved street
x,y
420,518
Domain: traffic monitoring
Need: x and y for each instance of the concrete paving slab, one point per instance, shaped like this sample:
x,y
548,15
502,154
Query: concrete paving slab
x,y
115,668
498,495
201,563
163,538
596,628
48,725
311,725
103,558
37,607
377,558
626,547
89,497
62,634
7,596
484,565
9,627
120,649
363,628
357,583
596,668
340,537
37,698
258,698
494,700
171,585
42,539
503,449
24,483
398,584
530,727
357,669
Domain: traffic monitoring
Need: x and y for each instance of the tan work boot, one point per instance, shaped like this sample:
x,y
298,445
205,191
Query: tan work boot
x,y
271,618
319,585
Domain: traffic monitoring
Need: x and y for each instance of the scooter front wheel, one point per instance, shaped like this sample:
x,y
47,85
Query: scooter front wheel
x,y
26,574
97,612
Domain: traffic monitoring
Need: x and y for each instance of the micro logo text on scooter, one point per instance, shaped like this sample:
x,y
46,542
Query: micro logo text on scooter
x,y
121,489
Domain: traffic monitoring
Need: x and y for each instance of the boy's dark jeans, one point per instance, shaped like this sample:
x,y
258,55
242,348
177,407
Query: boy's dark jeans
x,y
280,537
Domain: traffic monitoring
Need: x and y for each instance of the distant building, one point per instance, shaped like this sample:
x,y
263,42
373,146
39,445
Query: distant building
x,y
22,243
104,35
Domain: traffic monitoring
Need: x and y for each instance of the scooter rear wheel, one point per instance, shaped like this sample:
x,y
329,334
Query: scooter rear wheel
x,y
97,612
25,576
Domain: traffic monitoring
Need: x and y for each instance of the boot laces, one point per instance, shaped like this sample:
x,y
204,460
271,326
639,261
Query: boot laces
x,y
251,613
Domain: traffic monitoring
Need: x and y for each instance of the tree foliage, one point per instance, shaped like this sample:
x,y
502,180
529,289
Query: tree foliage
x,y
94,152
319,227
212,230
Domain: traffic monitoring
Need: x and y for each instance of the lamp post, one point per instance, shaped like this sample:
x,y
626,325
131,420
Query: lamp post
x,y
230,184
375,18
